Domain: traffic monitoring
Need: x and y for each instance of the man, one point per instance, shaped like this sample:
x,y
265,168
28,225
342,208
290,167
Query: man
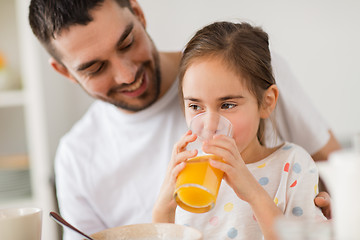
x,y
110,166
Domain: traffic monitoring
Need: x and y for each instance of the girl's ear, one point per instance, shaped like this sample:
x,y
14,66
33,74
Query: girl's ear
x,y
269,102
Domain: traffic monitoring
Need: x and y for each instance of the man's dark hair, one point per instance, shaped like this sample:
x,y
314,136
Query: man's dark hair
x,y
49,17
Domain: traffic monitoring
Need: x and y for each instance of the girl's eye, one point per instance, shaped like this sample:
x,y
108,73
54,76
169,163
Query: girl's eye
x,y
228,105
194,107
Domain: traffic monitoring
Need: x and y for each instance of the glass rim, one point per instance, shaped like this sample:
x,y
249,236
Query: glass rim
x,y
230,130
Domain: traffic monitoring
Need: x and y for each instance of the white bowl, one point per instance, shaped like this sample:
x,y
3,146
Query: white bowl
x,y
149,231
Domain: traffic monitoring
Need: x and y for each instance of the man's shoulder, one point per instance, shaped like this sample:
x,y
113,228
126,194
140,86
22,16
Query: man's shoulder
x,y
91,124
78,146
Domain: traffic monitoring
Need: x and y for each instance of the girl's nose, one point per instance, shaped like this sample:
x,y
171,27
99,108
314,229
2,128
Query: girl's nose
x,y
211,122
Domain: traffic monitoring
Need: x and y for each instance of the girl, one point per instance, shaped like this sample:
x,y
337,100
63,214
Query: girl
x,y
226,68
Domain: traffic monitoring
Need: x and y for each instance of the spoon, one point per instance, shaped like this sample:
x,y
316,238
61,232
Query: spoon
x,y
64,223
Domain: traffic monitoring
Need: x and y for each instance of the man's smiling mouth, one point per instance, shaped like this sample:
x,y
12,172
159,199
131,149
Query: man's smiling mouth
x,y
137,88
135,85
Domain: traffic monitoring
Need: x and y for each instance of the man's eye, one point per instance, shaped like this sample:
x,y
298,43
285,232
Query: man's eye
x,y
96,69
127,45
228,106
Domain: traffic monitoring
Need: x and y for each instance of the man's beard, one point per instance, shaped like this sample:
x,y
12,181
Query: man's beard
x,y
149,97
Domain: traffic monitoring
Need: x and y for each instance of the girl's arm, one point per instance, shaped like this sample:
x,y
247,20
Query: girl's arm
x,y
253,193
165,205
265,211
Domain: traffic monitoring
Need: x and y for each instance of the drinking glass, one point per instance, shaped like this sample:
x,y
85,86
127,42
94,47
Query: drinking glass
x,y
198,184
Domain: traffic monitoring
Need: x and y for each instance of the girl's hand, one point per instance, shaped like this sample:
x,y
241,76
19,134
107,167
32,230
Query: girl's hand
x,y
236,174
243,182
165,206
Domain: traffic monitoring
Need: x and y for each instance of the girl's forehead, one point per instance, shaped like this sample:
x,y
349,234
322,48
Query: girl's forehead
x,y
213,73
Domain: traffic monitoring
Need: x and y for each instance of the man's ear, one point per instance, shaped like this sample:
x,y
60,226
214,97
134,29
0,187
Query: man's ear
x,y
269,101
60,68
138,12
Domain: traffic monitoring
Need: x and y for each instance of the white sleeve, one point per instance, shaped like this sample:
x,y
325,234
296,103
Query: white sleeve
x,y
72,197
295,117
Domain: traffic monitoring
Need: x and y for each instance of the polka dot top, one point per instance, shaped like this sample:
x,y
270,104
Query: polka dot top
x,y
290,177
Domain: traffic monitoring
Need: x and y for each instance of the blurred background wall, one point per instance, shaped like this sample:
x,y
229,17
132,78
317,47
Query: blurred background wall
x,y
319,39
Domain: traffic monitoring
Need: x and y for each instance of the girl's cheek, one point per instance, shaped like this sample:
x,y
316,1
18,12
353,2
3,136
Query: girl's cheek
x,y
242,133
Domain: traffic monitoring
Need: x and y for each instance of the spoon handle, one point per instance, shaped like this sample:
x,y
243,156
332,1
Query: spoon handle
x,y
62,222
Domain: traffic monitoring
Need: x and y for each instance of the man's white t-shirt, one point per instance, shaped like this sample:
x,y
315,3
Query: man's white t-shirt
x,y
295,118
110,166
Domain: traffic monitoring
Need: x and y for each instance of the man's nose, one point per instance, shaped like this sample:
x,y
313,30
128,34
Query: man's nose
x,y
124,71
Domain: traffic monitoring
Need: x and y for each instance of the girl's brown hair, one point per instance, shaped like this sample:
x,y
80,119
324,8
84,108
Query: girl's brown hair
x,y
244,48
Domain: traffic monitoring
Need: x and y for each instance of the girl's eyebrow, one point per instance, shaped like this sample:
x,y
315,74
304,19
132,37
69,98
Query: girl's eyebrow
x,y
220,99
192,99
231,97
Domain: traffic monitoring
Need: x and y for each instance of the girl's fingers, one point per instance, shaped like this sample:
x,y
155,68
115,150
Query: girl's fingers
x,y
180,154
179,151
183,142
183,156
225,167
225,142
224,147
176,170
225,154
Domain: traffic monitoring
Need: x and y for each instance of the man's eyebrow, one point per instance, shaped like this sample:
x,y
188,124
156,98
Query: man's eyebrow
x,y
126,33
123,36
84,66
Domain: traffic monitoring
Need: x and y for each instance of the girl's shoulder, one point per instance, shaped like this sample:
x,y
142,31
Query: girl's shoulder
x,y
292,149
292,154
288,154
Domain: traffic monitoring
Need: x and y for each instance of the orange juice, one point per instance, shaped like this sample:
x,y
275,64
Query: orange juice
x,y
198,184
